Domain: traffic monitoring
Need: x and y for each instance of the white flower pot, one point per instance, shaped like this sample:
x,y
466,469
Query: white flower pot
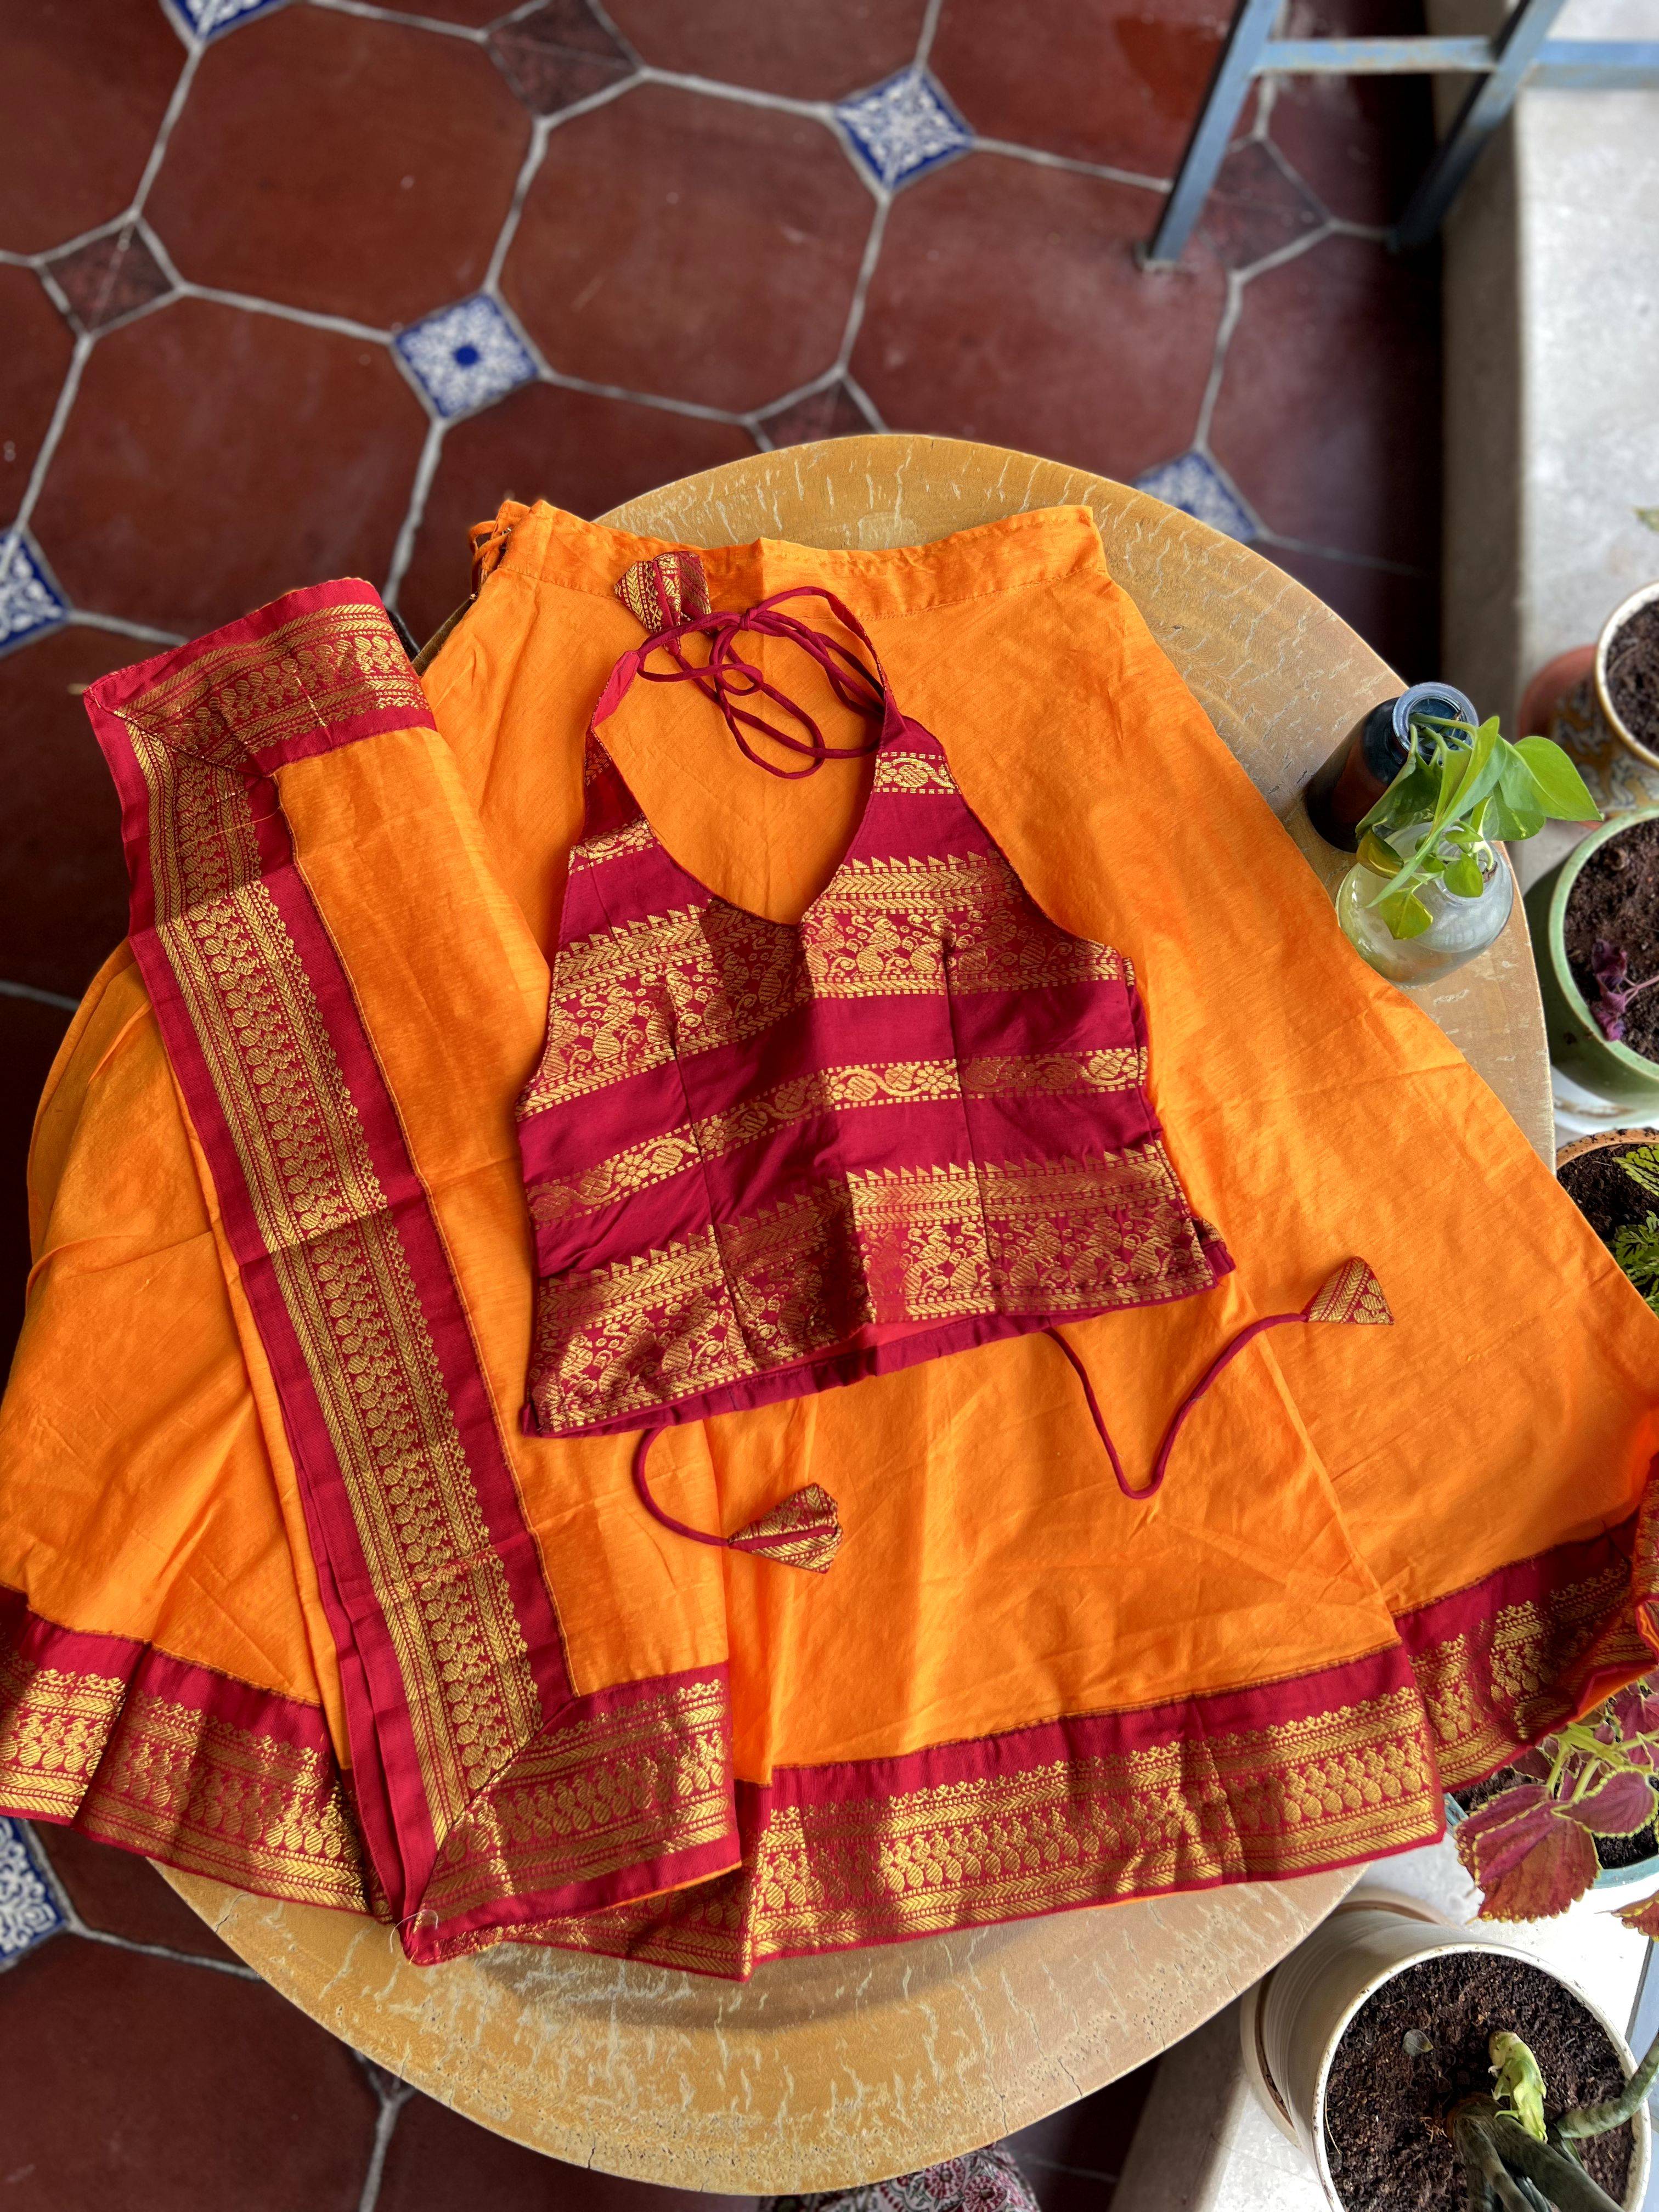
x,y
1310,1999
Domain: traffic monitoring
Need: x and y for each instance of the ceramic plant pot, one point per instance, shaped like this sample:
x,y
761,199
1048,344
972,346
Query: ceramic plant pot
x,y
1577,1044
1615,621
1316,1993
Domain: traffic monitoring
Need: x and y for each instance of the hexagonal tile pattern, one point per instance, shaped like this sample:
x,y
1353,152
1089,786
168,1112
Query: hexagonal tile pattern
x,y
63,878
354,167
557,55
33,362
803,49
1328,418
1008,306
1193,483
1117,82
109,276
215,457
82,94
698,248
583,452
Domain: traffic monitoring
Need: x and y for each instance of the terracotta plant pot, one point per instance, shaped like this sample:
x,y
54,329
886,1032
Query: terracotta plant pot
x,y
1577,1046
1615,621
1315,1995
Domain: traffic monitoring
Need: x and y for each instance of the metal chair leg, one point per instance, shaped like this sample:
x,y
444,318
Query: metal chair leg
x,y
1212,132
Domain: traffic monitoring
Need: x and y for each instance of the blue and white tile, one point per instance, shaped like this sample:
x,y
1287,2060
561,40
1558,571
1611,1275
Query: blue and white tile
x,y
205,17
903,127
463,357
30,602
1192,483
29,1911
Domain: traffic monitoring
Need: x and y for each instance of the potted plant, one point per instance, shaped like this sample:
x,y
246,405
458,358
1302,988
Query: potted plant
x,y
1626,672
1430,888
1595,922
1433,2070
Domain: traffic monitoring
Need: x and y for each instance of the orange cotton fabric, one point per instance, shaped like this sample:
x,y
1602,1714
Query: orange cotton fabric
x,y
992,1578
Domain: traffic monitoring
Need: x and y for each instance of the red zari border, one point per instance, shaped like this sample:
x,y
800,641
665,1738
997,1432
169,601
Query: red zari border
x,y
479,1775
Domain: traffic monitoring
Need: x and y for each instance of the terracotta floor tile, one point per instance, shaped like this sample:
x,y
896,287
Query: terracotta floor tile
x,y
584,453
439,2162
1117,82
831,413
149,2086
216,457
1008,306
354,167
1328,418
63,879
85,79
475,13
124,1895
1361,143
33,360
560,54
1072,2157
804,49
1254,208
690,245
1398,616
30,1035
109,276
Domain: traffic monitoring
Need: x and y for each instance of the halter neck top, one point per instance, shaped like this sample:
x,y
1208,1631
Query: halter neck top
x,y
763,1158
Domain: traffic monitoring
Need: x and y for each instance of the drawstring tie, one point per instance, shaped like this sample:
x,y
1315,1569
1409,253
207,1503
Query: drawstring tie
x,y
1350,1293
804,1531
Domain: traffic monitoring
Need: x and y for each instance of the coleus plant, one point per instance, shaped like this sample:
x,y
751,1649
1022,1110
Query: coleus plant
x,y
1531,1846
1465,788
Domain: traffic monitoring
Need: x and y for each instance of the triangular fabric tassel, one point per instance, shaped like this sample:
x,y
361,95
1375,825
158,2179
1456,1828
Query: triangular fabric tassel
x,y
1350,1293
803,1531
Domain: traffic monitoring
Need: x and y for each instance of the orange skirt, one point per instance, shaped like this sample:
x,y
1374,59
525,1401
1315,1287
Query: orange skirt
x,y
287,1598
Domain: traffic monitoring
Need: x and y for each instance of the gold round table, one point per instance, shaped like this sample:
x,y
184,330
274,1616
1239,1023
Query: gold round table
x,y
821,2072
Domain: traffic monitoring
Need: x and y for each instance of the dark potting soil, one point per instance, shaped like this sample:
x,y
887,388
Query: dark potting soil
x,y
1384,2110
1609,1199
1616,899
1612,1850
1633,673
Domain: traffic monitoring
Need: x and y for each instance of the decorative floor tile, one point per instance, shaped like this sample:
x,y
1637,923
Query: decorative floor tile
x,y
344,164
109,276
29,601
28,1910
557,56
903,127
803,49
1195,485
465,355
205,17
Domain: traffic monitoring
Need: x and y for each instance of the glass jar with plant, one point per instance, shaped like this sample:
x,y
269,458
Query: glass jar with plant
x,y
1430,888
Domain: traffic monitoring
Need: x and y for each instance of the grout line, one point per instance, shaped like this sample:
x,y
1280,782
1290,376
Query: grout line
x,y
384,2122
1043,160
658,399
872,414
1228,323
534,154
929,27
36,997
145,632
425,468
233,1967
607,21
741,96
193,53
43,459
285,312
862,283
1292,250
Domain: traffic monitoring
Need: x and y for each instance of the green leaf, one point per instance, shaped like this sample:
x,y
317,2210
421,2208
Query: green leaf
x,y
1642,1166
1520,2084
1410,797
1405,914
1563,790
1377,854
1463,876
